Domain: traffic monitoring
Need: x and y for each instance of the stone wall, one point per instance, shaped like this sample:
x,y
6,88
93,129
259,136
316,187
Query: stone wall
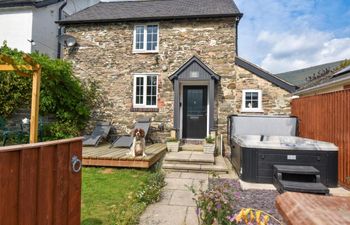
x,y
104,54
275,100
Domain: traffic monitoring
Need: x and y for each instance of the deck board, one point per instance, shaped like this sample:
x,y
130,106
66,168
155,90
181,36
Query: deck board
x,y
118,157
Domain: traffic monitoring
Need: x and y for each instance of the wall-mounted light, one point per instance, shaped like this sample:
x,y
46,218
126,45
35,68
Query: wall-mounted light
x,y
32,42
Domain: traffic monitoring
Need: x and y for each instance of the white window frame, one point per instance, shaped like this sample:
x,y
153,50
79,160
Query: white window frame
x,y
144,50
144,105
245,109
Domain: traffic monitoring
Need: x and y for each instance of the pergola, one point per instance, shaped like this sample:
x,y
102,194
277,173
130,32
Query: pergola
x,y
7,64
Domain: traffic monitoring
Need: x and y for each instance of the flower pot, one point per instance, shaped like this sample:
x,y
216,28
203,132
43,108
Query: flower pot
x,y
209,148
173,146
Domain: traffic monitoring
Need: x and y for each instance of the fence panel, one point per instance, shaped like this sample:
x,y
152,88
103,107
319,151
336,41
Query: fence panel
x,y
38,185
326,117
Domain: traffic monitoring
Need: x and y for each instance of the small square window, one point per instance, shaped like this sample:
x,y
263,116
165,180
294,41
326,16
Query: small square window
x,y
145,91
146,38
252,101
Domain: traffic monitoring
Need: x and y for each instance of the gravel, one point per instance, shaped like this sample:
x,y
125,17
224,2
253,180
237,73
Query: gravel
x,y
257,199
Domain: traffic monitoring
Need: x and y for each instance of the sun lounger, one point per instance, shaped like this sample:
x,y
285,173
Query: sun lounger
x,y
100,132
126,141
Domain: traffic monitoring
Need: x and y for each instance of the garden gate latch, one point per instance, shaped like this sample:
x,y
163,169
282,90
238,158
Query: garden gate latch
x,y
76,164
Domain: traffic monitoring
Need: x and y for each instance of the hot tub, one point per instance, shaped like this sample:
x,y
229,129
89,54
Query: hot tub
x,y
259,142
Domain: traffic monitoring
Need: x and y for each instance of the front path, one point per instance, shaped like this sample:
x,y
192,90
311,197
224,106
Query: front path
x,y
177,206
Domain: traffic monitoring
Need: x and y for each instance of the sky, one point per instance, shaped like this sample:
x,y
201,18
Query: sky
x,y
285,35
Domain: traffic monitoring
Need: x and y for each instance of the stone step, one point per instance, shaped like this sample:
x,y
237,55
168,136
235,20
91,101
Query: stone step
x,y
192,147
219,167
192,141
189,157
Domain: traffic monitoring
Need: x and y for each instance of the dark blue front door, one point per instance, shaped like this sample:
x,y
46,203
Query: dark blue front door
x,y
195,112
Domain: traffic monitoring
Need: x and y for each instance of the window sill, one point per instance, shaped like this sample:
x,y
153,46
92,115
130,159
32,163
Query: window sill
x,y
252,110
145,52
144,110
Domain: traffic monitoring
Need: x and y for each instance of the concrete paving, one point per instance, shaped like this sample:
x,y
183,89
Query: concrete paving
x,y
177,206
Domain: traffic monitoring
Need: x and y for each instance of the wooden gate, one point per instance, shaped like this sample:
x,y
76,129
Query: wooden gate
x,y
40,184
326,117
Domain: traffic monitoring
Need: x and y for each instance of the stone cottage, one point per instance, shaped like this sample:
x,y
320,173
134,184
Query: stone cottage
x,y
174,61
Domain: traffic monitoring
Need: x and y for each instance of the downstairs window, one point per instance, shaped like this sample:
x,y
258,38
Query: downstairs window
x,y
145,91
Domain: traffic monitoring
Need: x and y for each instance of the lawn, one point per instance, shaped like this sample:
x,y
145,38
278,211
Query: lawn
x,y
105,193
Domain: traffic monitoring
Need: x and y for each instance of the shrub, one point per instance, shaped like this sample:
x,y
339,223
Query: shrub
x,y
151,191
171,140
61,94
216,204
209,140
148,193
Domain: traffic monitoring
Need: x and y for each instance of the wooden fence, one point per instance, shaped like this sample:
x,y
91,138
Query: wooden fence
x,y
326,117
39,184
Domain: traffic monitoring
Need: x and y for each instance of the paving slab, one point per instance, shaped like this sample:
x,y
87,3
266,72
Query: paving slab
x,y
200,184
173,174
257,186
195,176
339,191
165,197
202,158
182,198
177,183
163,215
191,216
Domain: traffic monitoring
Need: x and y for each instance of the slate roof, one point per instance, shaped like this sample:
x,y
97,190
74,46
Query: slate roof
x,y
333,78
299,77
35,3
153,10
264,74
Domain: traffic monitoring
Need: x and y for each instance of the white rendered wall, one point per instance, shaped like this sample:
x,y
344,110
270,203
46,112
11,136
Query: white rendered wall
x,y
45,29
74,6
16,28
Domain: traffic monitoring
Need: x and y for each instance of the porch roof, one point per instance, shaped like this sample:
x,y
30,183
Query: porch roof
x,y
187,67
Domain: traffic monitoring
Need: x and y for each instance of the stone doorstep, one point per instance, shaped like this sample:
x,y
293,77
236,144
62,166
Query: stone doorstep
x,y
192,147
195,168
189,158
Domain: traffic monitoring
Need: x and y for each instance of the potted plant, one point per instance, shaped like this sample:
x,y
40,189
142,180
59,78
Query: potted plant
x,y
209,145
173,145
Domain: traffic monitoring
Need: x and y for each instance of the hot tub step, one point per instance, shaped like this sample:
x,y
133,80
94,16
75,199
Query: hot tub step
x,y
306,187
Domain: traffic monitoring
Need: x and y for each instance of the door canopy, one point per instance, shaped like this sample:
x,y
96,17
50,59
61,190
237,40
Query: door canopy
x,y
194,69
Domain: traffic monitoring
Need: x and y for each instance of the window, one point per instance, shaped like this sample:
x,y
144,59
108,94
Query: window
x,y
145,91
252,101
146,38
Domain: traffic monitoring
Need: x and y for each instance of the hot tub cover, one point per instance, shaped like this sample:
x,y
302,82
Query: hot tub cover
x,y
282,143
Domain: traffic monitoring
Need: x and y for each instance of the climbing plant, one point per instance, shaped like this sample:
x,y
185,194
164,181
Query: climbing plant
x,y
61,94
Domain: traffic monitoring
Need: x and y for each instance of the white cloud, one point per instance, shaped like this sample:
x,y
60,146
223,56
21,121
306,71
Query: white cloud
x,y
289,51
287,35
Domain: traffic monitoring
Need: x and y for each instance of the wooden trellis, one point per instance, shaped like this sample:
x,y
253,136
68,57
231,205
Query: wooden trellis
x,y
7,64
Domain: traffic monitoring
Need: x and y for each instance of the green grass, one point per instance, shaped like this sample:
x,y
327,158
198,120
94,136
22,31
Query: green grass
x,y
104,190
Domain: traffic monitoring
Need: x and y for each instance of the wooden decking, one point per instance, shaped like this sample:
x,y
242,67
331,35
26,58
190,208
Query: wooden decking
x,y
309,209
118,157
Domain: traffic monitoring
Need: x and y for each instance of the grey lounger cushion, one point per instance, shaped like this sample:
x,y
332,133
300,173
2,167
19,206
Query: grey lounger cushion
x,y
126,141
101,131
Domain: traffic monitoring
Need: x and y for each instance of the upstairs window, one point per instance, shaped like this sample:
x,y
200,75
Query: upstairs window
x,y
146,38
252,101
145,91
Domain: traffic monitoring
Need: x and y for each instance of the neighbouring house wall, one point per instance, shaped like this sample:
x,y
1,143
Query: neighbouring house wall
x,y
275,100
105,55
45,29
74,6
16,27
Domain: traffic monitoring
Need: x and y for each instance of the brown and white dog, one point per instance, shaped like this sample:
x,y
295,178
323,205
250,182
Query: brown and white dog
x,y
139,144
